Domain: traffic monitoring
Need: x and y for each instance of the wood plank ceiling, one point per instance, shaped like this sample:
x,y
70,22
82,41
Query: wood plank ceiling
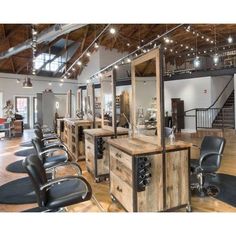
x,y
182,44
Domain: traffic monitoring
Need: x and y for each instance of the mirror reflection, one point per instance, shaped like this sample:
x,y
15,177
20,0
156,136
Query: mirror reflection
x,y
145,98
107,100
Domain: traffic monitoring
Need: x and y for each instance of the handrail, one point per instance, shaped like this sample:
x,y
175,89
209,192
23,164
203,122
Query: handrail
x,y
221,93
193,109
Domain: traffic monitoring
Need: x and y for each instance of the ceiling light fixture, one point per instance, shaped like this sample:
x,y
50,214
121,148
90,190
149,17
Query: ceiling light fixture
x,y
27,83
230,39
112,30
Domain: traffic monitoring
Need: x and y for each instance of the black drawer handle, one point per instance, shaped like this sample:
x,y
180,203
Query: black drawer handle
x,y
118,169
119,189
118,155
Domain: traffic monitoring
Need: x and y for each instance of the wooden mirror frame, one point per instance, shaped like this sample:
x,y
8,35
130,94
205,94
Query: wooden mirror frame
x,y
154,54
112,75
91,92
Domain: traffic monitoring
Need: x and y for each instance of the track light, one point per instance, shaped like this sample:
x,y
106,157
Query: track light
x,y
116,67
88,54
79,63
73,69
96,45
128,60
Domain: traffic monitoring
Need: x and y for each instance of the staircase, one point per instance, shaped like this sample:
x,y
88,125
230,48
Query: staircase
x,y
225,117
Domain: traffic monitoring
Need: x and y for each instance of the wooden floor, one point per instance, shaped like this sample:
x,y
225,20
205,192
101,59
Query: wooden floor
x,y
101,201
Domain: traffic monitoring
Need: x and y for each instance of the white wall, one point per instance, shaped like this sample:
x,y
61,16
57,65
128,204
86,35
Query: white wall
x,y
92,67
195,92
11,88
1,103
98,60
217,85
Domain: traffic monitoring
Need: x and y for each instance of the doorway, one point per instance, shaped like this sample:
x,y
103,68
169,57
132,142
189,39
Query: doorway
x,y
22,108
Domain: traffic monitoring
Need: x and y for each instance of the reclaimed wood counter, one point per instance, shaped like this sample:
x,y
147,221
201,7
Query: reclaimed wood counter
x,y
142,179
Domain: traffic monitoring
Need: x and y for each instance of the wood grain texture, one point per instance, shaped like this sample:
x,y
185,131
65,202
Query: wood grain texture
x,y
106,132
177,179
151,200
134,146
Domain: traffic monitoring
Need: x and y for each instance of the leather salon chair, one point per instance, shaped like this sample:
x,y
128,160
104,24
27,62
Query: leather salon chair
x,y
53,195
53,156
211,152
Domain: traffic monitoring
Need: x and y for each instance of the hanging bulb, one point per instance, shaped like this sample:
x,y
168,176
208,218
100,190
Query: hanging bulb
x,y
230,39
216,59
196,62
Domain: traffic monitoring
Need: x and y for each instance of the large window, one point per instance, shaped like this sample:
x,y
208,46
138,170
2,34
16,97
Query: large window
x,y
22,108
51,66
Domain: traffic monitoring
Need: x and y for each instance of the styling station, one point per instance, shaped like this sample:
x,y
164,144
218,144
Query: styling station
x,y
96,148
147,173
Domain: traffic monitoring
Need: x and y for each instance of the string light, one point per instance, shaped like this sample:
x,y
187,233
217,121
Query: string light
x,y
112,30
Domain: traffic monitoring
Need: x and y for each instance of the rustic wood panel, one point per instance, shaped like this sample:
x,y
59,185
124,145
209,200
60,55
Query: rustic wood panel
x,y
122,191
152,198
177,182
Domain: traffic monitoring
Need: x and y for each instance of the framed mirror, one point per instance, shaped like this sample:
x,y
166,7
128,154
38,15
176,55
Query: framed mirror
x,y
108,94
146,98
90,102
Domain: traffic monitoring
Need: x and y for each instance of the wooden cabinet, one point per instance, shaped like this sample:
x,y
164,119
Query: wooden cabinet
x,y
177,113
74,138
97,151
143,180
18,127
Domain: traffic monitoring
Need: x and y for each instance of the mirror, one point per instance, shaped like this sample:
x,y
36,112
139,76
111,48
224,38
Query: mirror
x,y
90,101
107,100
146,98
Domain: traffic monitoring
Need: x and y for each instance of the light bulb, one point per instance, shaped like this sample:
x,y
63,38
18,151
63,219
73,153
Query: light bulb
x,y
212,41
88,54
196,62
62,80
207,39
128,44
112,30
79,63
96,45
128,60
230,39
167,40
50,84
116,67
216,59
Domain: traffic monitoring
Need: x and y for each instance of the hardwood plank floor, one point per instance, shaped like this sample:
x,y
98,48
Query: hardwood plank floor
x,y
101,201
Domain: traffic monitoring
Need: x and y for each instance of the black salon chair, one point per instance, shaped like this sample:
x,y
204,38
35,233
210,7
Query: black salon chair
x,y
53,156
52,195
211,152
48,137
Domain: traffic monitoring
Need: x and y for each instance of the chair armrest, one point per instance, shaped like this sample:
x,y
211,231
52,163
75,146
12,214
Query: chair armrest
x,y
196,146
50,138
58,145
49,184
52,150
206,155
67,164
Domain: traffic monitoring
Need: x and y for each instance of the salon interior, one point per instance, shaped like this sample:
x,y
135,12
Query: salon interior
x,y
117,118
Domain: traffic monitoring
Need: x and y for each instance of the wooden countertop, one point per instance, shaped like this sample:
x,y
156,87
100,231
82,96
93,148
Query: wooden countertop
x,y
76,121
135,146
105,132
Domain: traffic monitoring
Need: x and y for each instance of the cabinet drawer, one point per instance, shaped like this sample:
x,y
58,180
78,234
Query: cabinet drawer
x,y
89,153
89,138
122,191
119,169
121,156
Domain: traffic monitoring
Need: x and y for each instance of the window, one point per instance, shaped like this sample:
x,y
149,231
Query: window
x,y
51,66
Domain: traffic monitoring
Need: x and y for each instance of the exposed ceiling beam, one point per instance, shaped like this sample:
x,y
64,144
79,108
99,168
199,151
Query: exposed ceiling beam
x,y
9,45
